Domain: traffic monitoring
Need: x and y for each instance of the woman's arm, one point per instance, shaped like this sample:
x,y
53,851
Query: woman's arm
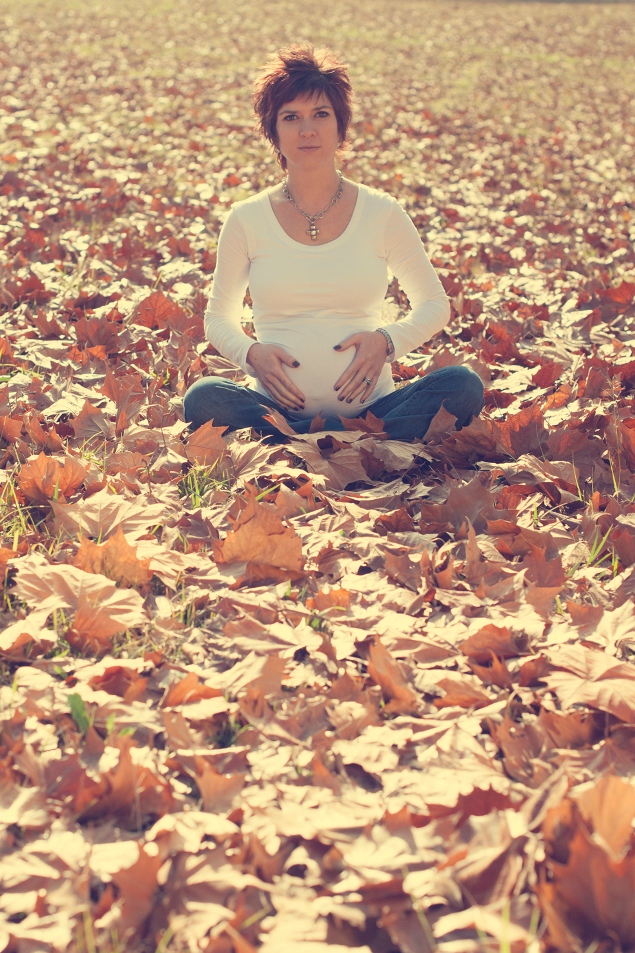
x,y
222,320
408,261
225,305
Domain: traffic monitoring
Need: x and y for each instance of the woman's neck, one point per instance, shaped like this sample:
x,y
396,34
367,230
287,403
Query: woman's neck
x,y
313,189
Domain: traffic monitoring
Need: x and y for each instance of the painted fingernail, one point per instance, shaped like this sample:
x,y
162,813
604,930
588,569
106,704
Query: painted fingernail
x,y
349,400
340,397
337,347
296,364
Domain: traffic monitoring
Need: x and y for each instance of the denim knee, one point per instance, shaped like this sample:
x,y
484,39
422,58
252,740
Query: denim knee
x,y
203,394
470,387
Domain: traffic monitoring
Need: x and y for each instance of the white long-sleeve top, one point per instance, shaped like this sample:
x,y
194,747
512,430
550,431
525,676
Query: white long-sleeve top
x,y
307,298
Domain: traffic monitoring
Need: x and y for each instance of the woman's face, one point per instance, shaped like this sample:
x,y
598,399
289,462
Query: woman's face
x,y
307,131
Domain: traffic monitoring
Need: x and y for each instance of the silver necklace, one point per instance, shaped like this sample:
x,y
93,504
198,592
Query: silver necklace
x,y
313,230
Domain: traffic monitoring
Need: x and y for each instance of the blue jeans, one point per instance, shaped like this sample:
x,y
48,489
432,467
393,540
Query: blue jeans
x,y
406,412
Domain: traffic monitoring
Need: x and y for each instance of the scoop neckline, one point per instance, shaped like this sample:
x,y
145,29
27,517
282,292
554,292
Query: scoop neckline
x,y
352,222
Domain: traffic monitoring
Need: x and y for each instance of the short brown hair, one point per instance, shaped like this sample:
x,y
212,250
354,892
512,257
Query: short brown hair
x,y
301,70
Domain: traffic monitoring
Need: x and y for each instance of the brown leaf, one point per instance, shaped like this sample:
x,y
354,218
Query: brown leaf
x,y
261,539
470,501
588,898
129,792
386,672
91,421
10,428
120,680
187,690
498,640
44,479
115,559
206,445
590,677
101,610
334,598
157,311
366,424
496,674
462,692
219,792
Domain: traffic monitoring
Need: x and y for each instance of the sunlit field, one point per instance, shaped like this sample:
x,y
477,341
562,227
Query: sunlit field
x,y
343,692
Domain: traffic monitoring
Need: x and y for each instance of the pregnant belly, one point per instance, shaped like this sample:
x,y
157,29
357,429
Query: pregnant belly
x,y
321,366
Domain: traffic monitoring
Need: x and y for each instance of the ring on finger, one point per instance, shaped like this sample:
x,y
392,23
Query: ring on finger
x,y
367,380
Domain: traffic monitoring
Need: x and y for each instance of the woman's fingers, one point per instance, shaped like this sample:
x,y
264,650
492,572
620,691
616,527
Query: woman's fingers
x,y
283,378
355,386
345,381
280,397
285,391
368,389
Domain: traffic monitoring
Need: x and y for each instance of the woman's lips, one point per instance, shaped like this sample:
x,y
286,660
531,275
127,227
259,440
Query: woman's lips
x,y
308,148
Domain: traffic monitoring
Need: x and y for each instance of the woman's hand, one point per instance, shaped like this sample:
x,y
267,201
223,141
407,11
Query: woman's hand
x,y
268,362
368,362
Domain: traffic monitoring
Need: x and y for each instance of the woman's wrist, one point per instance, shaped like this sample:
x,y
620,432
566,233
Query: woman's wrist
x,y
255,344
390,347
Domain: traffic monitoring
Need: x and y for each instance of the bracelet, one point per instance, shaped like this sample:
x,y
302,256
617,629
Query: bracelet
x,y
390,347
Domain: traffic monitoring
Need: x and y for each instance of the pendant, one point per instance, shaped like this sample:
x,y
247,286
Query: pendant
x,y
313,231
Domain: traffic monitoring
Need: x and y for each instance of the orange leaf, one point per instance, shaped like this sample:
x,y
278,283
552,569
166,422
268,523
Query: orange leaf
x,y
459,691
45,479
10,428
261,539
336,598
189,689
122,681
205,445
367,424
115,559
157,311
388,674
496,639
219,791
129,792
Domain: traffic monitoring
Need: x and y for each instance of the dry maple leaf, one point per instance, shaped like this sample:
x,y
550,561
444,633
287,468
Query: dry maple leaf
x,y
120,680
589,897
260,538
188,690
471,501
492,638
129,792
91,421
116,559
367,424
388,674
206,445
591,677
460,690
45,479
219,792
103,512
157,311
101,609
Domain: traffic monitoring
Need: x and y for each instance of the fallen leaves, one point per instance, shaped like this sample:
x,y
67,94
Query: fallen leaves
x,y
343,692
260,539
115,559
44,479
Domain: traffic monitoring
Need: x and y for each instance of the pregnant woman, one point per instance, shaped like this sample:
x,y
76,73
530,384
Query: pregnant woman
x,y
315,252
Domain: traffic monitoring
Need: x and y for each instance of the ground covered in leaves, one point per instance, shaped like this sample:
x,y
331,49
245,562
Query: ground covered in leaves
x,y
343,692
